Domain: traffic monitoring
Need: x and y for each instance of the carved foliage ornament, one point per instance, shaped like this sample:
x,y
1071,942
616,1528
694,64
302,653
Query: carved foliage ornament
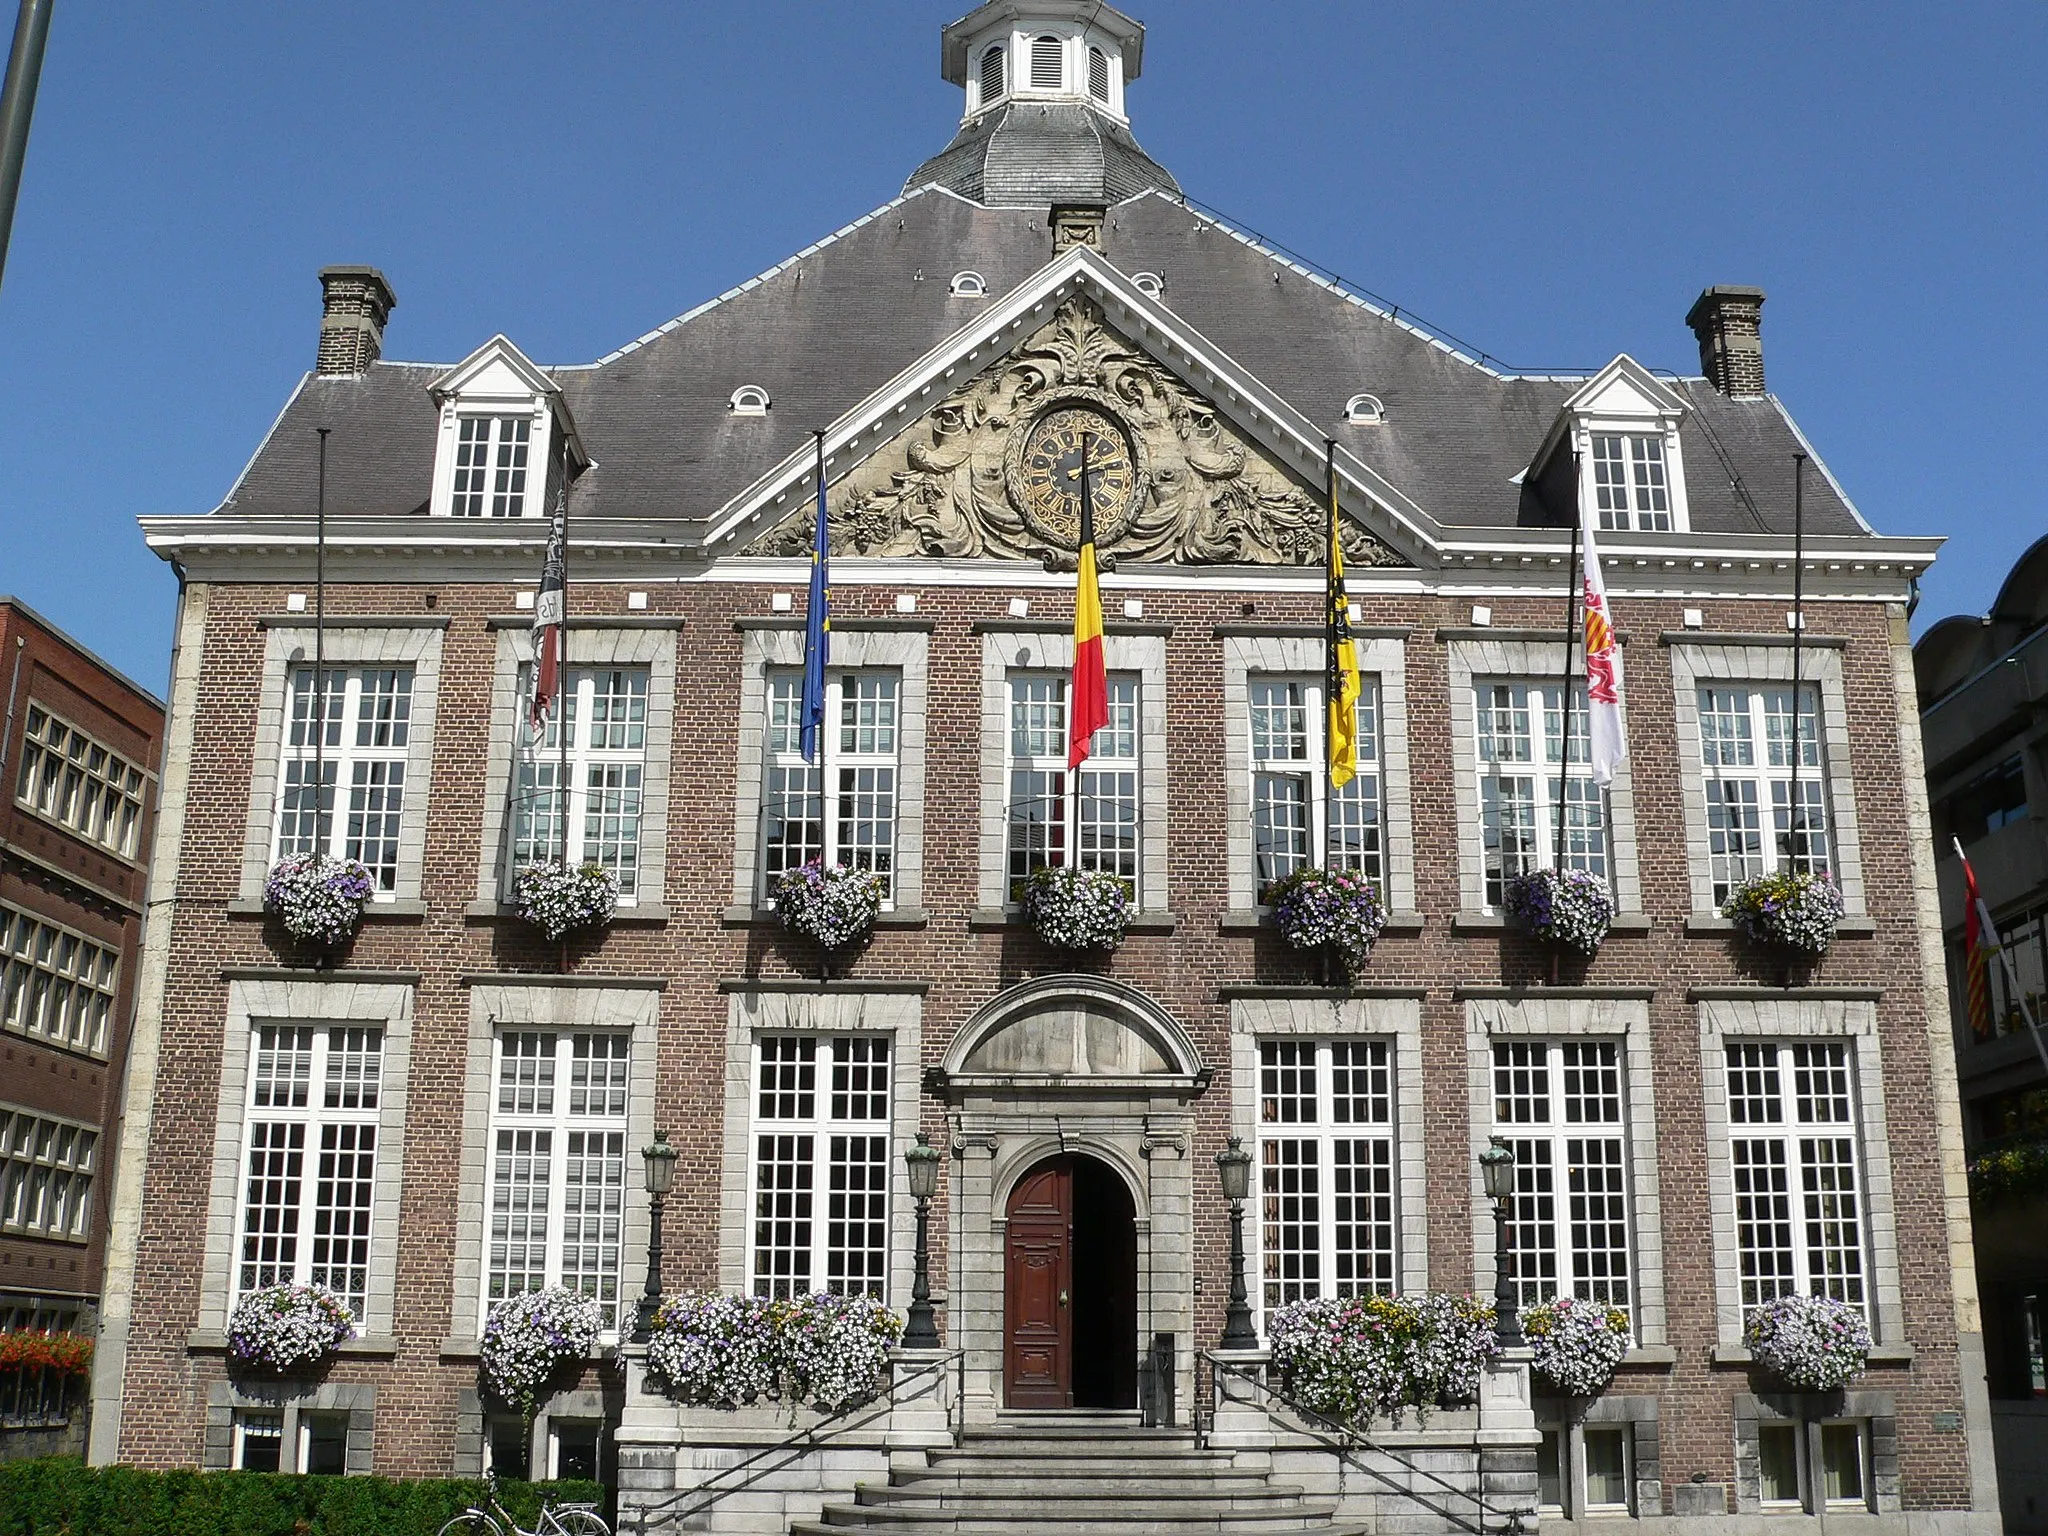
x,y
994,471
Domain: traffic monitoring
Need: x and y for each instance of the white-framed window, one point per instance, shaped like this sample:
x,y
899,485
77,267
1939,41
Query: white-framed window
x,y
857,759
1827,1468
54,983
323,1444
1296,821
1048,63
78,783
1585,1470
490,466
259,1440
368,729
310,1156
1327,1170
1746,760
558,1164
1631,482
992,81
1795,1156
1055,817
605,711
1521,730
46,1173
1562,1107
820,1166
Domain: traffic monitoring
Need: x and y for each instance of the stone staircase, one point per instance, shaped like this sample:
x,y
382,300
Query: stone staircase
x,y
1080,1474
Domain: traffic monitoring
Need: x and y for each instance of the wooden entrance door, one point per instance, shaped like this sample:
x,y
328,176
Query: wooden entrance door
x,y
1038,1283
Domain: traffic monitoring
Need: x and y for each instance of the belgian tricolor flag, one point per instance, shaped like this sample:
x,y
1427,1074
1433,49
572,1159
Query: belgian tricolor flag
x,y
1088,694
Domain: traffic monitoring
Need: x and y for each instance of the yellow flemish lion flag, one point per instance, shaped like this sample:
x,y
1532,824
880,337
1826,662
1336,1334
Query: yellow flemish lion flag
x,y
1340,652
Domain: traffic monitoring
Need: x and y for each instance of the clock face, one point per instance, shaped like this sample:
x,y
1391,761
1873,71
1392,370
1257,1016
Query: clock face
x,y
1049,479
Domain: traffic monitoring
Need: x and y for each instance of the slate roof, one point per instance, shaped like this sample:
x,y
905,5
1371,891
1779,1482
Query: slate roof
x,y
1031,155
830,326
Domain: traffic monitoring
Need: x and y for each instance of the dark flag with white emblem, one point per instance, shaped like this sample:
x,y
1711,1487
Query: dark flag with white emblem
x,y
550,609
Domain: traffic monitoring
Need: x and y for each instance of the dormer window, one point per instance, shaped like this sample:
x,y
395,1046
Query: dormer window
x,y
1630,486
969,285
1151,284
490,466
992,75
1364,411
1098,75
749,400
1048,63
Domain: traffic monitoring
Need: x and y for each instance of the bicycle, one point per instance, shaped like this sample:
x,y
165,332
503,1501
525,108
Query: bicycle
x,y
496,1520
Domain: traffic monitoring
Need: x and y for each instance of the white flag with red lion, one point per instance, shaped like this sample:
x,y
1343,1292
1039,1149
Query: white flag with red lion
x,y
1605,732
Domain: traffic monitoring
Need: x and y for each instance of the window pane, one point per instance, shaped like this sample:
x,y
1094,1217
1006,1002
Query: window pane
x,y
1778,1463
1841,1463
1607,1469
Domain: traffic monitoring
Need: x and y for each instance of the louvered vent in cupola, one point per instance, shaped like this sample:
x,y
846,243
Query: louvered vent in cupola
x,y
1047,57
1098,74
992,75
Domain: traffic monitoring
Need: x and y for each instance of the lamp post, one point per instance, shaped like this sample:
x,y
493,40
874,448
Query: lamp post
x,y
659,1164
922,1162
1234,1169
1497,1168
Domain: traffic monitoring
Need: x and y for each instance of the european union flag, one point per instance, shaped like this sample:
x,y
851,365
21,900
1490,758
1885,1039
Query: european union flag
x,y
817,625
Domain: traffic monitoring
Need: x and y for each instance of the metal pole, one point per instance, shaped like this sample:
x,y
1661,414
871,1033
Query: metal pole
x,y
920,1331
1793,816
650,1296
1332,682
1238,1332
1507,1312
18,106
1564,744
320,652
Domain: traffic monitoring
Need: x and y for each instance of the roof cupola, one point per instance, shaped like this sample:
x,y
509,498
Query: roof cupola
x,y
1044,119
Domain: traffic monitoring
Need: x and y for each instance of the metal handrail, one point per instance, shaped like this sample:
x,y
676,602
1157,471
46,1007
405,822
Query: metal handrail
x,y
1343,1439
803,1442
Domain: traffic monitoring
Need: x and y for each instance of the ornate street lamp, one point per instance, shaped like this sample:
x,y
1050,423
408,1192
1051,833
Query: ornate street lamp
x,y
1234,1168
659,1163
922,1162
1497,1168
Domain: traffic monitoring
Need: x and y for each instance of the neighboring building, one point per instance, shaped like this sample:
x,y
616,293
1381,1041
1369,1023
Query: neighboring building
x,y
79,747
1984,715
1698,1129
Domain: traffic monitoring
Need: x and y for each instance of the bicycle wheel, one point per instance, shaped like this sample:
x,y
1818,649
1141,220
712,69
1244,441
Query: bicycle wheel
x,y
471,1522
581,1522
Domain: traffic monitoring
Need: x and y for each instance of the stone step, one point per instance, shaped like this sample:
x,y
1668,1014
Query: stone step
x,y
1016,1478
1083,1500
838,1520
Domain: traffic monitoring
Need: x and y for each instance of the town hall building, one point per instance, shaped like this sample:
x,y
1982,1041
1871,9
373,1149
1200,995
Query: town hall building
x,y
450,1110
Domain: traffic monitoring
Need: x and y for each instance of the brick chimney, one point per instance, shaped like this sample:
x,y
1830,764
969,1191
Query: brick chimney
x,y
1729,322
354,304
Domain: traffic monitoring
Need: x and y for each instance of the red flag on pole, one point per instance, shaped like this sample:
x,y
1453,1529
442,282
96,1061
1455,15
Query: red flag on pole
x,y
1980,939
550,608
1088,694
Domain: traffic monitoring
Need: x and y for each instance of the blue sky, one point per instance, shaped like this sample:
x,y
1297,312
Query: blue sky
x,y
1552,184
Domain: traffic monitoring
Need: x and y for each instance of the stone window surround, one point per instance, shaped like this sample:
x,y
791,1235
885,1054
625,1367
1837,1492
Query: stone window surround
x,y
752,1013
654,649
1534,662
1052,650
1639,1413
364,644
1395,1019
1792,1019
1488,1019
224,1399
564,1004
1765,663
388,1005
472,1421
905,648
1878,1413
1380,656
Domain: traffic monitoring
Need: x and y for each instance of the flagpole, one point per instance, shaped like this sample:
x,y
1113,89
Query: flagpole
x,y
320,646
564,691
1793,818
2012,976
1332,682
1564,745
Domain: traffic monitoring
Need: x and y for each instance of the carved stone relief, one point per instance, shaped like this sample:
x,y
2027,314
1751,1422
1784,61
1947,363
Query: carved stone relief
x,y
950,485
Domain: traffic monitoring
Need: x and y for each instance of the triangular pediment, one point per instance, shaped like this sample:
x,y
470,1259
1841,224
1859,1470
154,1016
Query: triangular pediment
x,y
1623,391
495,370
992,470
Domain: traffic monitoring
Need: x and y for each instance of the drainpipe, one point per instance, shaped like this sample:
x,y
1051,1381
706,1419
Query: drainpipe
x,y
13,686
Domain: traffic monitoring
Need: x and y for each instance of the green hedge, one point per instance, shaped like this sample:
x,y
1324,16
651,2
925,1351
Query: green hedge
x,y
61,1496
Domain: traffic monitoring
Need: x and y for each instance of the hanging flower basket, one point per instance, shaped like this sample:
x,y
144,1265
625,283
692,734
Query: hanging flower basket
x,y
317,898
288,1327
1359,1358
1577,1343
530,1336
824,1351
1810,1343
835,906
30,1349
1798,911
1570,908
559,900
1085,909
1329,911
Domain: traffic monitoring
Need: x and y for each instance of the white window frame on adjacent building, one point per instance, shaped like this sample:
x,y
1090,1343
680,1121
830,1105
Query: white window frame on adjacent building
x,y
859,746
1746,762
606,711
47,1168
311,1148
368,736
1088,818
81,784
492,464
556,1203
56,983
822,1164
1295,817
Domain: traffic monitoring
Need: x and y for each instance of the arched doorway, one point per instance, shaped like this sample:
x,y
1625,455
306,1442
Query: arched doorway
x,y
1070,1288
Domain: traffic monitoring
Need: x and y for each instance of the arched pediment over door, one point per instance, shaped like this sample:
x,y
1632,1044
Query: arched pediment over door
x,y
1072,1034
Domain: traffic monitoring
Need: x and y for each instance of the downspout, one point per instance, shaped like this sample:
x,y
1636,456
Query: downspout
x,y
7,731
